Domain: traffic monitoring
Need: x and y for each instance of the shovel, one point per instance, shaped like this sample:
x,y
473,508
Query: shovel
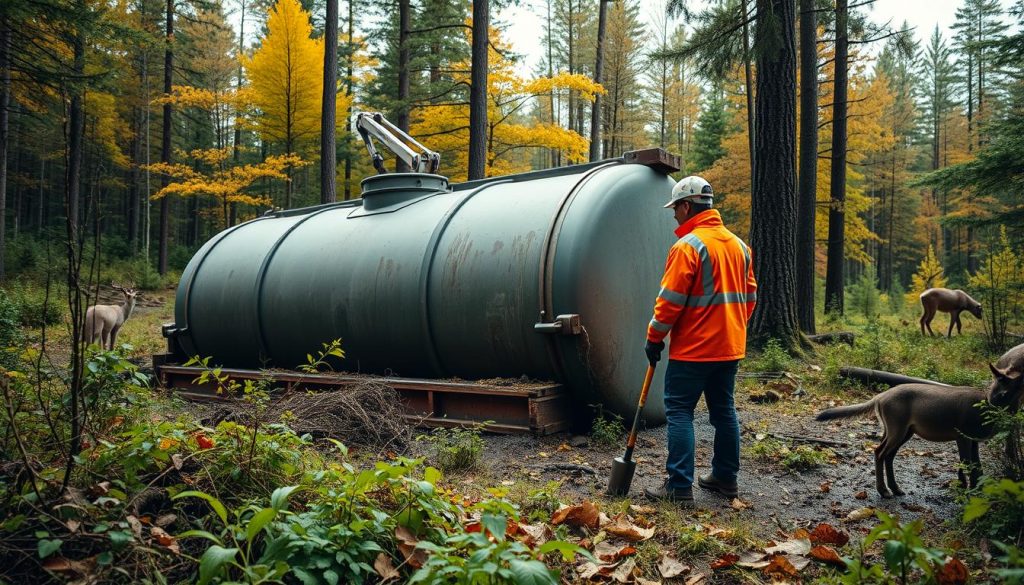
x,y
623,467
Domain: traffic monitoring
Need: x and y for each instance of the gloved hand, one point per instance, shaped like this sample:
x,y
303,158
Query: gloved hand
x,y
653,351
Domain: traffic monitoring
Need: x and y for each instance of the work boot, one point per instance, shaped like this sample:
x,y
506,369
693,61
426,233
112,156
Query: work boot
x,y
710,482
663,492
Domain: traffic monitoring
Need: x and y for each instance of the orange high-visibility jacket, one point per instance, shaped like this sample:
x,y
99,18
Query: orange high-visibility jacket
x,y
707,294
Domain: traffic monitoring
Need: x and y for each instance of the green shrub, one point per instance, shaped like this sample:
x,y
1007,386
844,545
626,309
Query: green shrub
x,y
34,308
10,332
456,448
863,294
798,458
773,358
607,429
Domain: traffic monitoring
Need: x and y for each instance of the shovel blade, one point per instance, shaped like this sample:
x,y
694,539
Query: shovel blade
x,y
621,476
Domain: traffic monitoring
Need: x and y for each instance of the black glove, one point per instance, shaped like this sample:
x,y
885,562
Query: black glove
x,y
653,351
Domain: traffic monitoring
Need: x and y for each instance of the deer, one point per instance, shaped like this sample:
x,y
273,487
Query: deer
x,y
102,322
939,414
947,301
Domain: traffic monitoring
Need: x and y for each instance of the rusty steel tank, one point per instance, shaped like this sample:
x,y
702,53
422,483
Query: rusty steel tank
x,y
550,275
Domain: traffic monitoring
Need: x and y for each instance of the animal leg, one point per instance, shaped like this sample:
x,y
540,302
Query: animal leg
x,y
113,336
963,445
952,321
975,464
959,325
879,462
889,458
929,314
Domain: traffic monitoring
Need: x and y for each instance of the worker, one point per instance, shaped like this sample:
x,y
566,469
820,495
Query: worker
x,y
707,296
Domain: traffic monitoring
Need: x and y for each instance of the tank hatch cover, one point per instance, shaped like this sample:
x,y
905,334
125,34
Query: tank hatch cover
x,y
658,159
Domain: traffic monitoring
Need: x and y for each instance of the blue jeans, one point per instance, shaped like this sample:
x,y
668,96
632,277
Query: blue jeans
x,y
684,383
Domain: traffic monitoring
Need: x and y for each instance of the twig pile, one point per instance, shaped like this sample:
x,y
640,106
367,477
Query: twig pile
x,y
367,414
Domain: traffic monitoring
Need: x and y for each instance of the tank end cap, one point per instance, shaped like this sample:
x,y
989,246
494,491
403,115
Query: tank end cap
x,y
658,159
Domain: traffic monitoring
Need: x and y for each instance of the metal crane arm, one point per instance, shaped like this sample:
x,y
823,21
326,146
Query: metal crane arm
x,y
418,157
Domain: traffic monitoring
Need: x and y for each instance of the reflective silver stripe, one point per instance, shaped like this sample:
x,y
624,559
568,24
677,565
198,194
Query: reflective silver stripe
x,y
659,326
721,299
707,271
746,258
673,297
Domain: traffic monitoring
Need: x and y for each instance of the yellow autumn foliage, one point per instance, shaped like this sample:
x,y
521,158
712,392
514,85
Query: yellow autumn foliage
x,y
929,275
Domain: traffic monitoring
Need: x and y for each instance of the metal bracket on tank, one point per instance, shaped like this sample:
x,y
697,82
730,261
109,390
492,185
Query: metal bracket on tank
x,y
568,324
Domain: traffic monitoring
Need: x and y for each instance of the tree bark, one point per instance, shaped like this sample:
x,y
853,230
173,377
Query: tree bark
x,y
165,147
328,148
773,206
478,92
348,110
236,146
5,102
834,269
404,19
595,112
749,85
807,206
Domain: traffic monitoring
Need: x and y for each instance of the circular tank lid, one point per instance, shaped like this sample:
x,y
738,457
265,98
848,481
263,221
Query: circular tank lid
x,y
381,191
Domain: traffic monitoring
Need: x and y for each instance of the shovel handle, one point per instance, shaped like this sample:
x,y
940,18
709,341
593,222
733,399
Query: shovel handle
x,y
631,442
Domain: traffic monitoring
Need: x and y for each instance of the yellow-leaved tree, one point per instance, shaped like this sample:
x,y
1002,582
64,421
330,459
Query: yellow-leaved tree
x,y
510,133
999,285
286,84
929,275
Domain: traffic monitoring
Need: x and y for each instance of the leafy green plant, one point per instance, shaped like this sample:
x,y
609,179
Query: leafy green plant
x,y
10,331
864,295
541,503
607,429
906,556
773,358
456,448
998,511
321,361
798,458
34,308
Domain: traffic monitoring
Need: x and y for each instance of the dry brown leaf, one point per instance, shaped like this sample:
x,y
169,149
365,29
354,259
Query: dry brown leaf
x,y
177,461
636,509
725,561
624,572
953,572
135,525
795,547
753,560
163,539
564,447
75,567
694,579
720,533
384,568
825,486
670,567
73,525
623,528
781,568
861,495
738,504
165,520
581,515
534,535
407,542
799,563
860,514
801,533
828,555
642,581
826,534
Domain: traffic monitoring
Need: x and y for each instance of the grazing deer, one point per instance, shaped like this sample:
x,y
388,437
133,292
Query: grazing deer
x,y
936,413
102,322
947,301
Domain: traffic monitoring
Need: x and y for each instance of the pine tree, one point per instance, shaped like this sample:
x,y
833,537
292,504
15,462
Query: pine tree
x,y
712,126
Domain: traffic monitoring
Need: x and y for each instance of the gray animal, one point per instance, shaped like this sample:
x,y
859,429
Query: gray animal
x,y
937,413
102,322
947,301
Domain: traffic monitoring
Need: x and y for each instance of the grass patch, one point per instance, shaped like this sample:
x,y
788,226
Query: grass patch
x,y
793,458
607,430
457,448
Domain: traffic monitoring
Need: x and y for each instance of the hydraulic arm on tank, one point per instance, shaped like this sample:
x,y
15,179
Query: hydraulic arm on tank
x,y
419,158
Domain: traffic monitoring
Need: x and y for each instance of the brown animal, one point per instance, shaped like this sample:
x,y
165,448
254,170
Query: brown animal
x,y
935,413
947,301
102,322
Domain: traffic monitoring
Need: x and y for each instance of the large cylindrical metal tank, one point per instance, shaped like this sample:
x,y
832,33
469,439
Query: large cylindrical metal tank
x,y
422,279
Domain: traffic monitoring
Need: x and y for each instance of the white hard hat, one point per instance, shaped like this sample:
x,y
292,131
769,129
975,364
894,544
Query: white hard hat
x,y
693,188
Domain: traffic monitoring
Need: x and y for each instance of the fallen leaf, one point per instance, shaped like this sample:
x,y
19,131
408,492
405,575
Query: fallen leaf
x,y
826,534
694,579
795,547
952,572
738,504
165,520
913,507
861,495
534,535
642,581
725,561
580,515
802,533
63,565
860,514
544,454
384,568
781,568
203,441
135,525
825,487
73,525
177,461
720,533
166,540
799,563
508,482
670,567
634,508
753,560
828,555
624,572
166,443
626,529
564,447
407,542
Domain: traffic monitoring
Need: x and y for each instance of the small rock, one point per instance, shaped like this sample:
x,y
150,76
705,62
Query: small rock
x,y
579,441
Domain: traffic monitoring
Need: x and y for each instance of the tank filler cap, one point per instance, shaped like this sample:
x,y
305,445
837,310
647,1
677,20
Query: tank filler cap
x,y
394,189
658,159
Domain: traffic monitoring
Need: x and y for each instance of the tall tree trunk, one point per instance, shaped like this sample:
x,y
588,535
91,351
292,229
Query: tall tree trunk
x,y
5,102
348,111
551,96
807,207
328,149
404,19
970,100
749,85
595,111
773,205
236,146
165,147
478,91
834,269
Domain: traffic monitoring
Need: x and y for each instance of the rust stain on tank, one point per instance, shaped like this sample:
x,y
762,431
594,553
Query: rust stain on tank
x,y
498,245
